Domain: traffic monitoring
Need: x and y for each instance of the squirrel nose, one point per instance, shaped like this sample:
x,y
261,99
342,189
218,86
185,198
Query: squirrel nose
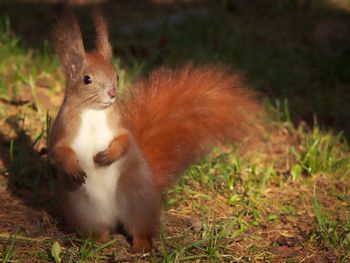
x,y
111,93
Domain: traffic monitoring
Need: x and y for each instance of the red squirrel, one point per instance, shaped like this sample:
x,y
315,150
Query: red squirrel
x,y
115,157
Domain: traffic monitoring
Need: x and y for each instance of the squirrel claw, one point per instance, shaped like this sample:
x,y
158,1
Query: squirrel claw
x,y
78,177
76,173
103,158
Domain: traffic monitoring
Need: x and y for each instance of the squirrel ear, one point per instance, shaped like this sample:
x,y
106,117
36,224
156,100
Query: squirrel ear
x,y
102,43
68,44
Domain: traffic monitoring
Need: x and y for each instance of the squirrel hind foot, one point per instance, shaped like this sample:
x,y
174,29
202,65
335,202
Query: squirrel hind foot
x,y
141,244
103,236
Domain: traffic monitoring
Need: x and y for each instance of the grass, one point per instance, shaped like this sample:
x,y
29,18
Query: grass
x,y
323,153
285,198
333,234
9,252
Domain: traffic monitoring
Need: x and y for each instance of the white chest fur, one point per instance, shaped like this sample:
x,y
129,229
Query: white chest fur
x,y
93,136
96,199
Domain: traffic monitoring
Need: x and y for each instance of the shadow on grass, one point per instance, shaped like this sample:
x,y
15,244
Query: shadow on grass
x,y
30,175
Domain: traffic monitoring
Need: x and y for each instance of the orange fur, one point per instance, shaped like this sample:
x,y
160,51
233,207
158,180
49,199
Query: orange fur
x,y
176,116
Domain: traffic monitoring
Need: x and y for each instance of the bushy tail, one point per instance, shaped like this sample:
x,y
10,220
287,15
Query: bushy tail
x,y
177,115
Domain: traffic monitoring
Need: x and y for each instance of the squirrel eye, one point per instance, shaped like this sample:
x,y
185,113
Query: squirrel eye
x,y
87,79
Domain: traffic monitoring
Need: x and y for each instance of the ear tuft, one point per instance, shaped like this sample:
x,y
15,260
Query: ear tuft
x,y
68,43
102,43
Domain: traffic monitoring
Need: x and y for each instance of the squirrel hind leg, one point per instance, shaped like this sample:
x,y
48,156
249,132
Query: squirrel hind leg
x,y
139,203
139,242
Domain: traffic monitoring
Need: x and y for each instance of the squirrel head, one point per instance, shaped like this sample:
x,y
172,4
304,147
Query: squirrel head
x,y
91,79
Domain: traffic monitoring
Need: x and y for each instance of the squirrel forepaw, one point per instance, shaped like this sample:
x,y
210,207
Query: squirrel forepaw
x,y
76,173
103,158
79,177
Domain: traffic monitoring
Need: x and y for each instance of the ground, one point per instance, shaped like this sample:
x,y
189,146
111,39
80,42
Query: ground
x,y
282,198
